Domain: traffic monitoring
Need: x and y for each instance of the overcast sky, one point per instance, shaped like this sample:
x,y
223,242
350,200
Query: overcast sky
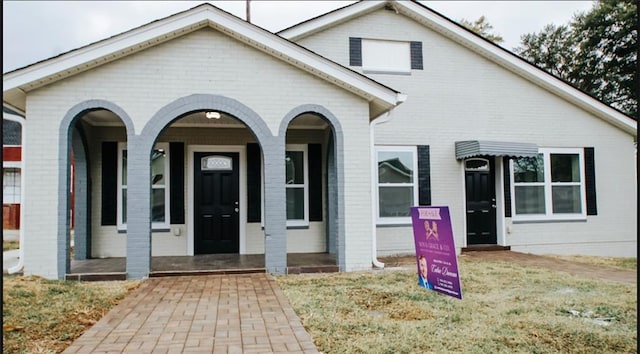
x,y
37,30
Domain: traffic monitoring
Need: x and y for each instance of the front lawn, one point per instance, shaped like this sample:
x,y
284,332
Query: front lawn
x,y
506,308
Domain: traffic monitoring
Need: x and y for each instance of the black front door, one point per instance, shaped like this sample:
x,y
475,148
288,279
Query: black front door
x,y
481,201
216,197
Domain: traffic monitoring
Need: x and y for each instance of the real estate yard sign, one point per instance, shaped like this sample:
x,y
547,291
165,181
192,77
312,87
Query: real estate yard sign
x,y
435,250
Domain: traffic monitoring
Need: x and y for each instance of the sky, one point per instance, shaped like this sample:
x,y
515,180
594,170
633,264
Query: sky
x,y
36,30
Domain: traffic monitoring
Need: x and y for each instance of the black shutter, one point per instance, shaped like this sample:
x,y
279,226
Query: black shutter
x,y
176,176
254,208
590,180
506,186
355,51
315,182
424,175
416,55
109,182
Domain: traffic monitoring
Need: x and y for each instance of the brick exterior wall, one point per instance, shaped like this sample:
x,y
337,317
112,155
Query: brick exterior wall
x,y
460,95
148,90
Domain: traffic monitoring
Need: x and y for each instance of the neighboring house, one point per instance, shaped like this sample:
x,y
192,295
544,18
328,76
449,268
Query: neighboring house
x,y
11,171
201,133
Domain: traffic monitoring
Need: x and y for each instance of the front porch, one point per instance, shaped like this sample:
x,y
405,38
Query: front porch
x,y
115,268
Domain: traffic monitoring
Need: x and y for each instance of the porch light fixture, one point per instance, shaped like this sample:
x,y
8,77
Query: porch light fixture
x,y
212,115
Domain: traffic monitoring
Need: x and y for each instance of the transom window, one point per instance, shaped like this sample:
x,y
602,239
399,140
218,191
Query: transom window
x,y
549,186
397,183
159,186
296,183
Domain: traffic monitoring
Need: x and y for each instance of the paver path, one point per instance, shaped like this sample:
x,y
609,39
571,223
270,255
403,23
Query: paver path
x,y
200,314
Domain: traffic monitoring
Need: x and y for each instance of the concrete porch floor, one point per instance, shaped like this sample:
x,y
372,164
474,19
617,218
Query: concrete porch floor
x,y
115,268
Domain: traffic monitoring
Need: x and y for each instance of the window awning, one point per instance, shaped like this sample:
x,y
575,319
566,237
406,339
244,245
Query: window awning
x,y
470,148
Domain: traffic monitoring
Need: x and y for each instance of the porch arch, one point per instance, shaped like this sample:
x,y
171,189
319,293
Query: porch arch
x,y
69,138
140,147
335,175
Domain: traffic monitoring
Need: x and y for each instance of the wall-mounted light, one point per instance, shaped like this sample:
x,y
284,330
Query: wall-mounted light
x,y
212,115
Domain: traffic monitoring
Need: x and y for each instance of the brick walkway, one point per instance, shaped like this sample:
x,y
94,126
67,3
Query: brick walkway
x,y
200,314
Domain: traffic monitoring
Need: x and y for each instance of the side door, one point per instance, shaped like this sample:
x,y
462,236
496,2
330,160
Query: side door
x,y
481,201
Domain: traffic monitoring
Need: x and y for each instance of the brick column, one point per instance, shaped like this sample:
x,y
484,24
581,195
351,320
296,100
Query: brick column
x,y
138,209
82,229
275,217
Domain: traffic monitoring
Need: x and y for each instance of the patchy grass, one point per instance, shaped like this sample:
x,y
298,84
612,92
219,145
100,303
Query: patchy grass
x,y
45,316
612,262
506,308
10,245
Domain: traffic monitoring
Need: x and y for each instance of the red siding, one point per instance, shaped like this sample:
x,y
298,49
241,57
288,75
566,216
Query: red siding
x,y
12,153
11,216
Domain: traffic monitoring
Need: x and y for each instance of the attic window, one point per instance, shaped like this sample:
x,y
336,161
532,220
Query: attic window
x,y
385,56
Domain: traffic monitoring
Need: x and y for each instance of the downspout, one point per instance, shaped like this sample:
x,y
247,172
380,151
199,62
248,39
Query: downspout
x,y
374,193
374,168
18,267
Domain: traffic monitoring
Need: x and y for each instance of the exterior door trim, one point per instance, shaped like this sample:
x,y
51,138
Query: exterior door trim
x,y
241,150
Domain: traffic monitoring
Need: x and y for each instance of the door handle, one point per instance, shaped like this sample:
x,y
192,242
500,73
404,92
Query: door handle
x,y
207,216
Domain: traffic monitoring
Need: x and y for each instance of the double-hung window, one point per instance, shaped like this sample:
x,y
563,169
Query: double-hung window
x,y
297,184
550,186
159,186
397,183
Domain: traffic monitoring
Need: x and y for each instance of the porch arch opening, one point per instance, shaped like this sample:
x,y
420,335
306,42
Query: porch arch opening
x,y
205,128
88,135
313,153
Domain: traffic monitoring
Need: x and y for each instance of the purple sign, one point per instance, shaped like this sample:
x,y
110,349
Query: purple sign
x,y
435,250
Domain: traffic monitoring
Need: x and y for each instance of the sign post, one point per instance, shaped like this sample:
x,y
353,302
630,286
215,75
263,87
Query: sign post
x,y
435,250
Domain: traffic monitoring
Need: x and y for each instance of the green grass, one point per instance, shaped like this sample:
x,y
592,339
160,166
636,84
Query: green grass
x,y
506,308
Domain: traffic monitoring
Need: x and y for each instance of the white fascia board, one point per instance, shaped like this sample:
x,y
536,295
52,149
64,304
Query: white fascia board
x,y
309,27
13,117
517,65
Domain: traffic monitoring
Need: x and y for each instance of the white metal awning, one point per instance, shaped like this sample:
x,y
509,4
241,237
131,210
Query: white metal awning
x,y
471,148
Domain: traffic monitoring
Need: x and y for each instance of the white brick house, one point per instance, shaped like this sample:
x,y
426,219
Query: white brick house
x,y
201,133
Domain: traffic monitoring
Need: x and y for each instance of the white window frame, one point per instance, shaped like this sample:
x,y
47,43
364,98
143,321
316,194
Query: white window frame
x,y
386,148
548,184
386,56
122,226
305,158
11,185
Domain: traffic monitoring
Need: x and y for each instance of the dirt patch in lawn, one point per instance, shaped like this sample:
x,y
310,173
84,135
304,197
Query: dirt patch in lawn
x,y
594,271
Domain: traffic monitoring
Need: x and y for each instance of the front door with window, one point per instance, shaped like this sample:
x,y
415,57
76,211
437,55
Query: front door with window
x,y
481,201
216,198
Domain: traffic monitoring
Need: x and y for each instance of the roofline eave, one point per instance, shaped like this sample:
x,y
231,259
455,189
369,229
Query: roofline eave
x,y
201,16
